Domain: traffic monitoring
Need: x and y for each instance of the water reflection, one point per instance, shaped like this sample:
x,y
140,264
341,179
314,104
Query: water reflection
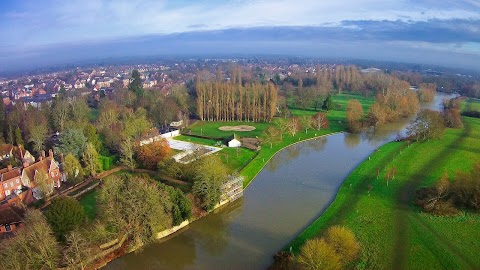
x,y
352,140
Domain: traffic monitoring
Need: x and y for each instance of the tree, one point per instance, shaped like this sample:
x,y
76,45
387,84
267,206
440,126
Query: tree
x,y
73,169
427,125
210,175
90,159
90,132
59,113
33,247
151,154
42,183
72,141
306,122
452,118
78,250
344,243
181,208
18,137
38,134
426,92
318,254
136,85
320,121
126,154
328,103
271,135
293,125
354,115
282,125
134,205
64,214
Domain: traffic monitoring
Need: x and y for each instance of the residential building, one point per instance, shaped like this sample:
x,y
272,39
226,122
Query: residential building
x,y
46,168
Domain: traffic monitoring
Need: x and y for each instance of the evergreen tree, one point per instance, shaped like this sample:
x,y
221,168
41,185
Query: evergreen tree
x,y
18,136
136,84
328,103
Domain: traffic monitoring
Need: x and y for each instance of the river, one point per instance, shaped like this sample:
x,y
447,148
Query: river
x,y
293,189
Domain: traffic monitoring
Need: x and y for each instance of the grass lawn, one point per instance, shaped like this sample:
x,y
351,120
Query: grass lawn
x,y
471,104
393,232
89,203
210,129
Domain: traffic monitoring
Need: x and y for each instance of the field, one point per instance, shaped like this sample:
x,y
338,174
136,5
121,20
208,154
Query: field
x,y
393,232
471,104
249,163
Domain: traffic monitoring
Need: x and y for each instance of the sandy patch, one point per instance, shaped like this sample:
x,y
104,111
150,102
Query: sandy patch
x,y
237,128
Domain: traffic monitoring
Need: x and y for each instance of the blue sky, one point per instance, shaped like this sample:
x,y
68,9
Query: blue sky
x,y
33,31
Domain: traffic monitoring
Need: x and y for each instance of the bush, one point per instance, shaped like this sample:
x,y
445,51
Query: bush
x,y
64,214
106,162
344,243
318,254
336,250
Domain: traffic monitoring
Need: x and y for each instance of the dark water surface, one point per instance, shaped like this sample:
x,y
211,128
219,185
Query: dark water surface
x,y
293,189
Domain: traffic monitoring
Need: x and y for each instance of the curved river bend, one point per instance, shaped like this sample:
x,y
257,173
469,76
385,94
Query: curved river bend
x,y
293,189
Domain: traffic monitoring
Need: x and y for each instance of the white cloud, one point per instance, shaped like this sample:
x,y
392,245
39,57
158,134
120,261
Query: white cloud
x,y
77,20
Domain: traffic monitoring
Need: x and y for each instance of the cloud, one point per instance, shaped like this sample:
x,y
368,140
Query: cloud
x,y
56,30
54,21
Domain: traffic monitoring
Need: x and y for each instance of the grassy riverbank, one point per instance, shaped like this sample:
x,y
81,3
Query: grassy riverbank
x,y
393,232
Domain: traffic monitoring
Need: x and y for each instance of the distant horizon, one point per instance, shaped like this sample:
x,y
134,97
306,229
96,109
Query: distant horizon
x,y
445,33
158,59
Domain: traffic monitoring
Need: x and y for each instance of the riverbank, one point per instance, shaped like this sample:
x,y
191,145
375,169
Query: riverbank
x,y
393,232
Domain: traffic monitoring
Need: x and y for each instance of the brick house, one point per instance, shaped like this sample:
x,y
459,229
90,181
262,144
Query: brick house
x,y
47,166
10,182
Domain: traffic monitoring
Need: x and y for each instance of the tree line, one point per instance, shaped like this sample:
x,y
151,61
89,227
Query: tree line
x,y
225,101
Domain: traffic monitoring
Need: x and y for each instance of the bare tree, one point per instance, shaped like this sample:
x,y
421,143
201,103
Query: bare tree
x,y
293,125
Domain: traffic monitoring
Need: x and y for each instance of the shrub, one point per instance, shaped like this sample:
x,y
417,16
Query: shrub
x,y
344,243
64,214
318,254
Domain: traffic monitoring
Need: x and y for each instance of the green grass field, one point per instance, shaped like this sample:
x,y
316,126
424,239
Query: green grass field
x,y
471,104
210,129
89,203
393,232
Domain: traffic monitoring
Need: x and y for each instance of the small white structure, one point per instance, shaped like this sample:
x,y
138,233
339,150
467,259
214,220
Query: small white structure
x,y
171,134
234,142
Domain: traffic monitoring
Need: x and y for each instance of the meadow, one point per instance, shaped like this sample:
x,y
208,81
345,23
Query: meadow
x,y
394,233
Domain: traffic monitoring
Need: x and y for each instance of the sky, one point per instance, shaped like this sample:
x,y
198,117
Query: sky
x,y
43,32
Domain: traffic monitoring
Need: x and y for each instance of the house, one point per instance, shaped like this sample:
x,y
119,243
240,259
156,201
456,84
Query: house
x,y
10,182
11,218
32,174
234,141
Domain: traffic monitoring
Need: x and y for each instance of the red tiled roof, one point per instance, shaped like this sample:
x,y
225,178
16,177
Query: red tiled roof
x,y
10,174
42,165
11,214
